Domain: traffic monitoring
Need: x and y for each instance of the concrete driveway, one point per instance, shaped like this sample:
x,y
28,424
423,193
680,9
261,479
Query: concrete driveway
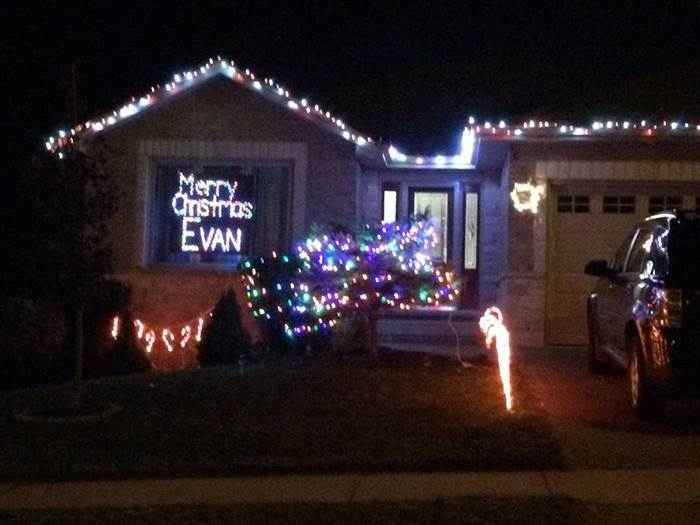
x,y
591,415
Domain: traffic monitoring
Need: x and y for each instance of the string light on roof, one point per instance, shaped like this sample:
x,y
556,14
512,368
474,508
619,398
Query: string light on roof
x,y
186,79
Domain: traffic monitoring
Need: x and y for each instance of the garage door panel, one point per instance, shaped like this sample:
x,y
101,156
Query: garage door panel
x,y
575,239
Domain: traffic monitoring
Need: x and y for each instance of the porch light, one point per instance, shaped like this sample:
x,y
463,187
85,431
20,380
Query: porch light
x,y
396,155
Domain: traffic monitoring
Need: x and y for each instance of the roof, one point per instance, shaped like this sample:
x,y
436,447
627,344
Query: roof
x,y
265,87
551,130
366,147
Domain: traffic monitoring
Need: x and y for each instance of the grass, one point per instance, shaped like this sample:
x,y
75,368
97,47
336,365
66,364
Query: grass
x,y
397,414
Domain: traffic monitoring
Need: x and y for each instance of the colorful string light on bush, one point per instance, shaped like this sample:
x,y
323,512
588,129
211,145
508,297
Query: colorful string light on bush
x,y
331,273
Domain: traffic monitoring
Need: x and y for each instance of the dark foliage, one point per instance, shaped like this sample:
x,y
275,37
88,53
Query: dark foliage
x,y
224,340
32,334
127,357
38,351
61,249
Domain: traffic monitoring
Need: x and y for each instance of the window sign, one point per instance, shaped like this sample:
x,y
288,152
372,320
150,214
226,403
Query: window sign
x,y
214,213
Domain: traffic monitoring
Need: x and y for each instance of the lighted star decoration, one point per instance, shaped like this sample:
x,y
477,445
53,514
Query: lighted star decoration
x,y
526,197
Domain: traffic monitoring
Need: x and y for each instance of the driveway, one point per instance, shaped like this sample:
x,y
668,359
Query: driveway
x,y
592,419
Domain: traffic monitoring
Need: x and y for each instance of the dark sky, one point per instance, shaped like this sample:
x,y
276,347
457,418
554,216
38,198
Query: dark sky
x,y
400,70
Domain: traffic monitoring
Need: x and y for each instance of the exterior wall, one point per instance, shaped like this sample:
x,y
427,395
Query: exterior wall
x,y
493,235
522,290
218,120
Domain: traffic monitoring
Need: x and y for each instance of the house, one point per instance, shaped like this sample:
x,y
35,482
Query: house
x,y
218,163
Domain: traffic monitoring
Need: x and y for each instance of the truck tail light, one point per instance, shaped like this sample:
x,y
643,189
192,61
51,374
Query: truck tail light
x,y
672,307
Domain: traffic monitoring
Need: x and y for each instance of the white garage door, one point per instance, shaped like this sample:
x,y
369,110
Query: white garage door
x,y
585,225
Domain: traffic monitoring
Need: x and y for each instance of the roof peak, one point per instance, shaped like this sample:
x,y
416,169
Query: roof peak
x,y
182,81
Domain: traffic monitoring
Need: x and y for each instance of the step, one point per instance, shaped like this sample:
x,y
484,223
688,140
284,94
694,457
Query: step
x,y
430,327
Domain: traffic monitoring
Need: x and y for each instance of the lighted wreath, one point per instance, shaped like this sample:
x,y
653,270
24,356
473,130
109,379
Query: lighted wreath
x,y
526,196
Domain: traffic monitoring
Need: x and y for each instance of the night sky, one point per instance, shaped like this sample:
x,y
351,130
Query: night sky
x,y
398,70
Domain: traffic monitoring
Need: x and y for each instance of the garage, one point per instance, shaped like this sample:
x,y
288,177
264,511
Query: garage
x,y
589,221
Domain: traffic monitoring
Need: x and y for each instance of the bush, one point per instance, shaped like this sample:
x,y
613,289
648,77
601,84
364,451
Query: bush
x,y
224,340
351,335
102,355
127,357
32,335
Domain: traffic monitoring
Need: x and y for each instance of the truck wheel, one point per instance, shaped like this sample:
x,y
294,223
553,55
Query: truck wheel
x,y
646,404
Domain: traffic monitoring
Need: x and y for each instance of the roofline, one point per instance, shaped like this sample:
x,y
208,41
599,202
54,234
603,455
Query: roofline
x,y
529,131
184,81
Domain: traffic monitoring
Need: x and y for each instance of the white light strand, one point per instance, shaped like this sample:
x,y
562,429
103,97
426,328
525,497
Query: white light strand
x,y
186,80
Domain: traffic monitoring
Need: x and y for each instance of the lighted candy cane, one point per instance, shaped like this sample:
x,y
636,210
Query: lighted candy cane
x,y
139,328
198,335
185,334
115,326
491,324
150,340
168,338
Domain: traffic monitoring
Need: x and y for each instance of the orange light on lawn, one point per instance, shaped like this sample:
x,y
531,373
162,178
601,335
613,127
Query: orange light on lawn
x,y
491,324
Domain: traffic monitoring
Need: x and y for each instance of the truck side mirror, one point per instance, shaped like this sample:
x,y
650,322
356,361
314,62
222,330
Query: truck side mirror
x,y
598,268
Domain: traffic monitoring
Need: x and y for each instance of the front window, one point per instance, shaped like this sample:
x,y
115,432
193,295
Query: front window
x,y
217,214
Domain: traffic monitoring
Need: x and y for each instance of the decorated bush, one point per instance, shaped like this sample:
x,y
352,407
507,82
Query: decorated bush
x,y
334,273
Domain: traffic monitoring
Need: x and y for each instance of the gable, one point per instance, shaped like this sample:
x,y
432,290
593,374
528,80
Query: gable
x,y
270,98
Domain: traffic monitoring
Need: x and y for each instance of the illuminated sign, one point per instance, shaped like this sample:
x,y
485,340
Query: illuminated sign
x,y
211,214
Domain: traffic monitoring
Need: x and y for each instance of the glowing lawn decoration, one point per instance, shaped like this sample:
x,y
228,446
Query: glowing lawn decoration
x,y
526,196
209,199
491,324
188,335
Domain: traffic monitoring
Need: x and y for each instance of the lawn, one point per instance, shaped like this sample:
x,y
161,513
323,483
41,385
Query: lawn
x,y
402,412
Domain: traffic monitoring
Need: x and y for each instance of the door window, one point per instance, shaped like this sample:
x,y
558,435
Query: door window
x,y
618,261
640,251
434,206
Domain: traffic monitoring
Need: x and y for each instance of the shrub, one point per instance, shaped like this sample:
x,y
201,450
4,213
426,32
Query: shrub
x,y
224,340
32,334
127,357
351,335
